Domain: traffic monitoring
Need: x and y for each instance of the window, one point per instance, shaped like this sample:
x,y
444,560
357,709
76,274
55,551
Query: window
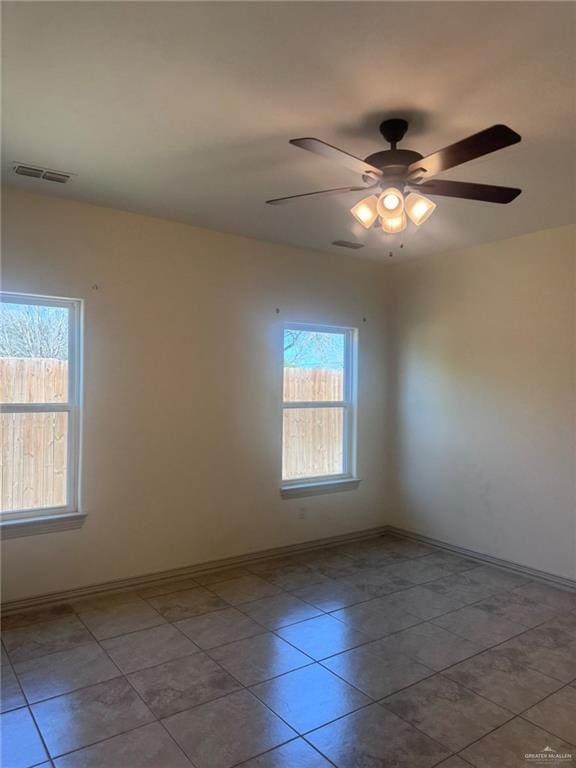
x,y
40,401
319,408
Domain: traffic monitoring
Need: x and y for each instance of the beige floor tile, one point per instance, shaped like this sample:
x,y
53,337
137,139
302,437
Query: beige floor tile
x,y
18,619
11,696
498,677
20,745
182,683
226,732
376,669
375,737
322,636
331,595
92,714
190,602
147,747
65,671
219,627
120,619
508,747
557,714
432,646
167,587
498,578
40,639
280,610
244,589
294,754
310,697
148,647
377,618
259,658
480,627
103,600
550,649
553,597
424,603
516,608
447,712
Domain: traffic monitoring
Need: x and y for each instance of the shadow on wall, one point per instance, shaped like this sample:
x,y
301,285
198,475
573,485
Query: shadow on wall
x,y
481,438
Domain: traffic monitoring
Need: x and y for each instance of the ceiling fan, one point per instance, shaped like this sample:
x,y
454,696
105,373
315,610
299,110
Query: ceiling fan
x,y
397,178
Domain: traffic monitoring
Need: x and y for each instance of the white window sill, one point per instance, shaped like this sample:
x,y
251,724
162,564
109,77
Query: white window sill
x,y
32,526
318,487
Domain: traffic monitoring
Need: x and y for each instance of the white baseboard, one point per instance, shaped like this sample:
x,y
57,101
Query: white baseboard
x,y
140,581
533,573
228,562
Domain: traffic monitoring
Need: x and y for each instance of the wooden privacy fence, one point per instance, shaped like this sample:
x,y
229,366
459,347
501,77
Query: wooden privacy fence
x,y
312,437
33,445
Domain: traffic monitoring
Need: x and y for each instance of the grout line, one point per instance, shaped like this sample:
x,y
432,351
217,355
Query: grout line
x,y
464,760
102,741
129,730
52,653
375,701
546,730
39,731
283,591
292,550
297,738
497,728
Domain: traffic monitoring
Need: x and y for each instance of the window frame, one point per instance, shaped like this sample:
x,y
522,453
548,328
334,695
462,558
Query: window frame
x,y
65,515
348,404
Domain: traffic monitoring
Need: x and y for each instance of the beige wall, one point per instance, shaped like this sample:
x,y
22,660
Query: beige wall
x,y
467,393
484,399
181,458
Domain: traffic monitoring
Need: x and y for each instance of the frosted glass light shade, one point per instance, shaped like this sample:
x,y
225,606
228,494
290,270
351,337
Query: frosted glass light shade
x,y
390,203
419,208
394,224
365,211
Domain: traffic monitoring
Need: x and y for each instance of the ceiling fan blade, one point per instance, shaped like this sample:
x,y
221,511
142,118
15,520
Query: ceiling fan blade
x,y
483,143
468,191
337,191
333,153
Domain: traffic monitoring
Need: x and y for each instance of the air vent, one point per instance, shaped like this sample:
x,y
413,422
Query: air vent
x,y
60,178
28,170
348,244
47,174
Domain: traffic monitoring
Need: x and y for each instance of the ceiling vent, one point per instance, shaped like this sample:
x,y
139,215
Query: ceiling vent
x,y
348,244
46,174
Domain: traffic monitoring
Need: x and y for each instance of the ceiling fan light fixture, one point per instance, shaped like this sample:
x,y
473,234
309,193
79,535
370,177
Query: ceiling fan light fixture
x,y
419,208
390,203
394,224
365,212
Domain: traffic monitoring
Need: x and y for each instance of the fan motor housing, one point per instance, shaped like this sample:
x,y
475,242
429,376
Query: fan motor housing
x,y
392,162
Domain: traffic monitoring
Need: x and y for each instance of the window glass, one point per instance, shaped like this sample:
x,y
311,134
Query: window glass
x,y
34,460
313,442
319,416
313,365
33,353
39,393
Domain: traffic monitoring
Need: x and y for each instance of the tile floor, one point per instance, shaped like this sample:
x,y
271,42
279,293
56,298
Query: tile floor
x,y
383,653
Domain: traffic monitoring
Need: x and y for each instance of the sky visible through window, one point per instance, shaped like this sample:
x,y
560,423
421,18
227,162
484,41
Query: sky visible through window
x,y
313,349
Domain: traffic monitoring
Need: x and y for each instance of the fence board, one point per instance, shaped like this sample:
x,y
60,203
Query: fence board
x,y
312,438
33,445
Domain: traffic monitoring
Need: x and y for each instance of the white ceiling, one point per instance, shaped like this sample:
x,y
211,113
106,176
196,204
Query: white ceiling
x,y
184,110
